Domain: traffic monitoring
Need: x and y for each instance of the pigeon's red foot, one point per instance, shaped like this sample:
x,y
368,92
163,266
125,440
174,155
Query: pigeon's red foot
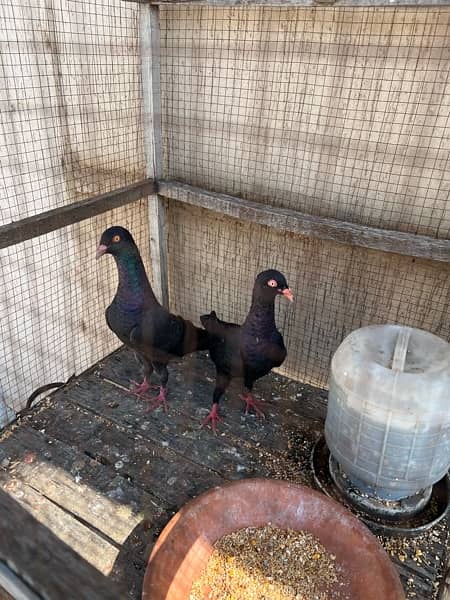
x,y
213,417
159,400
141,388
252,402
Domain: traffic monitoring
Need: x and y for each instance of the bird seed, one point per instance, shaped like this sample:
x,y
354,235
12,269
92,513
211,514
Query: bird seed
x,y
267,563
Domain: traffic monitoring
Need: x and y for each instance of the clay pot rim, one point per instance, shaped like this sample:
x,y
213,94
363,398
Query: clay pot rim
x,y
191,510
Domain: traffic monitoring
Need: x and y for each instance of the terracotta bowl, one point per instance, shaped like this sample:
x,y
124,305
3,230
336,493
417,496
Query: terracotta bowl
x,y
184,546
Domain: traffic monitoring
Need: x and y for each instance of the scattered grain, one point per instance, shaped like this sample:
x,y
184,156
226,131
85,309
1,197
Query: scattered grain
x,y
267,563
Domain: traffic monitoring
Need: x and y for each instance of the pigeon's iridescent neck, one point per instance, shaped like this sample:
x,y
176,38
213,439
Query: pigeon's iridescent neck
x,y
134,288
261,314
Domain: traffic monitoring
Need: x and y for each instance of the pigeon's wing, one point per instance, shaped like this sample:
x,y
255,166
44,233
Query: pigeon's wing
x,y
224,349
161,330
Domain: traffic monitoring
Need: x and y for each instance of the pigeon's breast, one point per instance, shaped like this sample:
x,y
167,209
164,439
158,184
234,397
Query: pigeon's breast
x,y
122,319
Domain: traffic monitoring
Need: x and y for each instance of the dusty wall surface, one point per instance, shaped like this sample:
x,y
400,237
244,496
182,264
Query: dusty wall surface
x,y
334,112
70,127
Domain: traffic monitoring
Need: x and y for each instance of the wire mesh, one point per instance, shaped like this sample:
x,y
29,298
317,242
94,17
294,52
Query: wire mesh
x,y
336,112
70,128
53,294
339,112
213,261
70,102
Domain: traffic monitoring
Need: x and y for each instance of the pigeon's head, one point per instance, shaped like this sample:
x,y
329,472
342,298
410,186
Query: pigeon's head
x,y
114,241
270,283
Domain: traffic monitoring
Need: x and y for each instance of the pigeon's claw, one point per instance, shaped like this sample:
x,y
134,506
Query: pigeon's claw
x,y
140,389
214,417
252,402
159,400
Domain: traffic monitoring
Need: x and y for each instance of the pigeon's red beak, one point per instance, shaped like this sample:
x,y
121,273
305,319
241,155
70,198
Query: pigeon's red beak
x,y
289,295
101,249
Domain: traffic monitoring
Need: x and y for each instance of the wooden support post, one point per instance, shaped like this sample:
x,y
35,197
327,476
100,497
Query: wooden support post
x,y
150,63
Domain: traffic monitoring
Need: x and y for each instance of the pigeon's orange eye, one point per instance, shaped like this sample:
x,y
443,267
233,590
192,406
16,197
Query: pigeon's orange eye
x,y
272,283
116,238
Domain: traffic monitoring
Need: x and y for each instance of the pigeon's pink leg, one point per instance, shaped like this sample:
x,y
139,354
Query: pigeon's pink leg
x,y
213,417
159,400
141,388
252,402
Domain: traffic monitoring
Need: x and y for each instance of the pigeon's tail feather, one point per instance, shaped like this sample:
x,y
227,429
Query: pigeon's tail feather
x,y
211,323
195,338
208,319
203,339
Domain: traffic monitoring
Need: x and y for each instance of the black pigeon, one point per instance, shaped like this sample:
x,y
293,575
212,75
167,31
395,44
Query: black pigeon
x,y
139,320
250,350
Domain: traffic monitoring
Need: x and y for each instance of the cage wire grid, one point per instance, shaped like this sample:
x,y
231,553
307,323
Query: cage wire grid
x,y
338,112
53,298
70,103
335,112
70,128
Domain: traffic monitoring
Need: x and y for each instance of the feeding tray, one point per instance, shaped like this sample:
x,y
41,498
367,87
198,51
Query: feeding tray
x,y
383,520
186,543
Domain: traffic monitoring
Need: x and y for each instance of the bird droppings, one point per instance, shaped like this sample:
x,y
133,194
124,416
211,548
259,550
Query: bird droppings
x,y
268,563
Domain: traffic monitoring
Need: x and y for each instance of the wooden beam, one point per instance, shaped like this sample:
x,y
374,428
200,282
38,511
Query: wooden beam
x,y
303,3
13,588
34,560
31,227
151,87
322,228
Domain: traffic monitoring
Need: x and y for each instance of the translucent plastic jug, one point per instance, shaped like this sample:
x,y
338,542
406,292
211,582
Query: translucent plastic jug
x,y
388,419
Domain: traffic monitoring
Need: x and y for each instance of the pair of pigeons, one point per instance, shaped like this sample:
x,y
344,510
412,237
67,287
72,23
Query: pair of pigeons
x,y
137,318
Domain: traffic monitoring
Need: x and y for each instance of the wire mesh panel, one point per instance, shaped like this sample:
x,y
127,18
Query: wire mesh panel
x,y
70,116
53,294
337,112
213,261
340,112
70,128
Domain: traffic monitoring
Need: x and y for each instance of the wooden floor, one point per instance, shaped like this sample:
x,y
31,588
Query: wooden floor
x,y
90,464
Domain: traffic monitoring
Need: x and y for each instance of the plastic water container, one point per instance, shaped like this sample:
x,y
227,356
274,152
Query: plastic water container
x,y
388,419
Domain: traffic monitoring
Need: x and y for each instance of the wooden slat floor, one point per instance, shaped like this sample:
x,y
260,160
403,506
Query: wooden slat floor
x,y
106,476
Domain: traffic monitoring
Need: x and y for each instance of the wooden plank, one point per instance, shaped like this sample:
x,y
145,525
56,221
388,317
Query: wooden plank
x,y
175,430
150,49
43,562
308,225
154,469
301,3
99,496
50,220
244,446
78,483
12,587
96,550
